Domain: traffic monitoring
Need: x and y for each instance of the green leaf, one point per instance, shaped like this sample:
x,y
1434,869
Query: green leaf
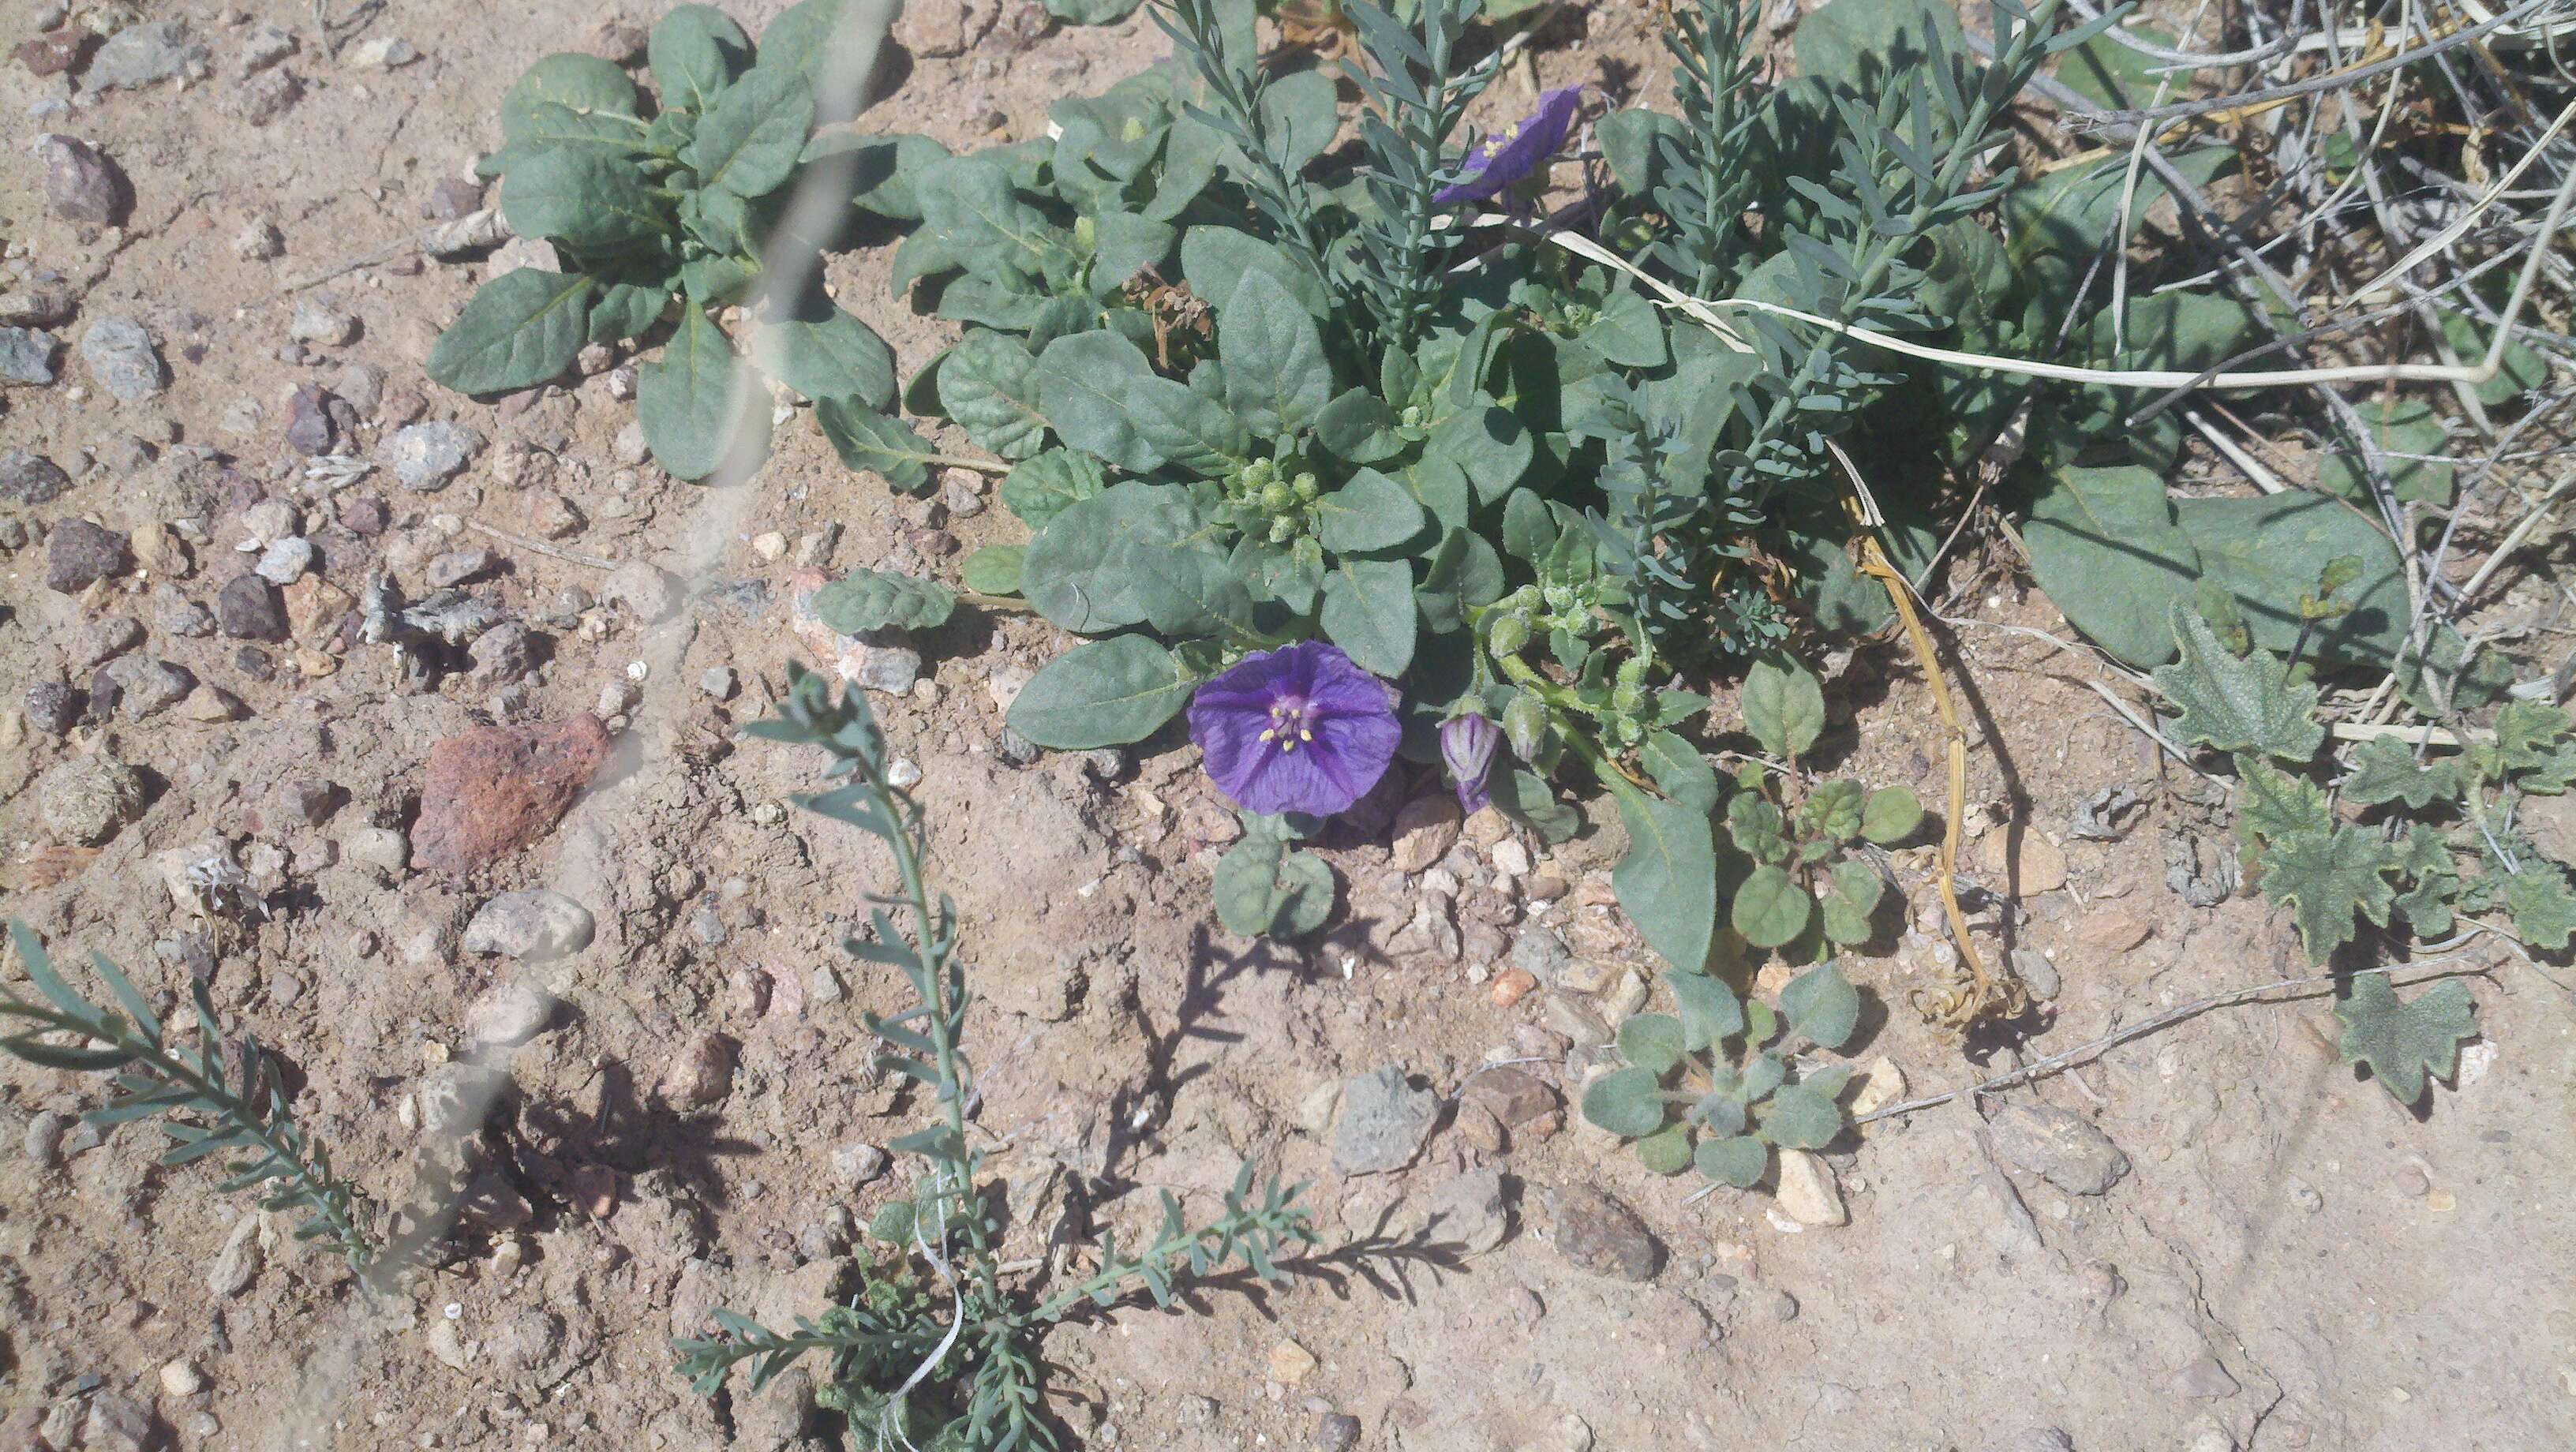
x,y
1739,1161
1783,706
993,570
1665,1152
1085,383
989,386
969,203
1760,832
1710,1011
2410,432
1868,46
1490,444
1852,891
1771,909
1051,482
1668,881
1078,570
1190,591
696,52
1832,811
549,128
877,442
587,199
2277,804
1302,116
2267,552
624,309
749,143
1186,428
1523,796
1368,612
1092,12
882,169
2520,370
699,409
1359,427
1277,379
1679,769
2326,877
1627,1102
1212,256
519,330
1628,332
1104,693
1799,1117
1652,1041
1823,1005
2544,911
1262,889
1890,815
1125,245
2384,770
2401,1041
2233,704
583,84
2104,545
1370,512
866,600
824,352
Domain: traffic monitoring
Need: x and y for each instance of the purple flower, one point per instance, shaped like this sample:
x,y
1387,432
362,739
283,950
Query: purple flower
x,y
1506,156
1299,729
1467,749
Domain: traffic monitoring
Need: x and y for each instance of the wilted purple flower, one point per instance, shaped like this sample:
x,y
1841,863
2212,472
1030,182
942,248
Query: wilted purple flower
x,y
1299,729
1506,156
1467,749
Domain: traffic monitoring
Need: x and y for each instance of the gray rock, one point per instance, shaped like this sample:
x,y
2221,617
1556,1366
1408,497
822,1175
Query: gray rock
x,y
119,354
81,184
880,661
44,1141
502,654
2204,1379
1599,1234
238,1263
53,707
534,925
719,682
105,640
458,566
1540,953
2060,1147
79,554
857,1163
317,320
2036,973
508,1013
285,561
1337,1432
425,456
176,614
1383,1123
264,45
310,428
148,686
775,1417
651,595
27,357
118,1424
362,387
247,608
31,479
2032,1439
140,55
1468,1211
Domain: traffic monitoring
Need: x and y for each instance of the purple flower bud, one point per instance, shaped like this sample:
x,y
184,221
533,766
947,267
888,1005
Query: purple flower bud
x,y
1467,748
1506,156
1299,729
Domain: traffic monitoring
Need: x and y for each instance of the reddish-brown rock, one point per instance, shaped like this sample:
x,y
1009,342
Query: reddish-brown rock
x,y
495,789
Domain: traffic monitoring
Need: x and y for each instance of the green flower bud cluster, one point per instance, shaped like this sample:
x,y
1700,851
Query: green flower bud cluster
x,y
1535,611
1273,501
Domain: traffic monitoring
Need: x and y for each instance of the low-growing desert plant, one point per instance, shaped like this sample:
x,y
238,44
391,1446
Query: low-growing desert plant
x,y
2394,836
216,1093
938,1348
652,202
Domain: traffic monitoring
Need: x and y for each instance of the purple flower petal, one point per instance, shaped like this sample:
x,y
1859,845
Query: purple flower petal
x,y
1467,748
1505,157
1299,729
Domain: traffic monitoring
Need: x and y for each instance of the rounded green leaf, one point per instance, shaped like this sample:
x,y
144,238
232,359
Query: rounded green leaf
x,y
1665,1152
1783,706
1890,815
1627,1102
1771,909
1077,571
1739,1161
993,570
989,386
892,1224
1719,1113
749,143
1798,1117
1106,693
1369,512
581,83
824,352
1652,1041
1051,482
877,442
1368,612
1821,1004
1264,890
699,407
695,52
586,199
1710,1011
1852,892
